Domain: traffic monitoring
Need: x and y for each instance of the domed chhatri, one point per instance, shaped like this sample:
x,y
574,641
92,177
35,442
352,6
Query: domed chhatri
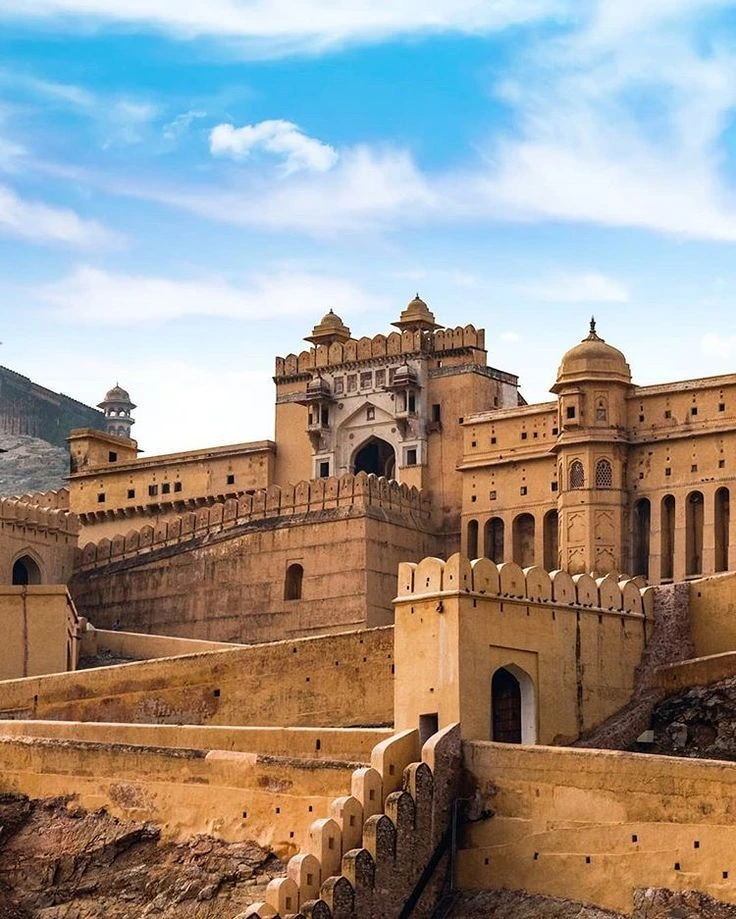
x,y
592,359
330,328
117,407
417,315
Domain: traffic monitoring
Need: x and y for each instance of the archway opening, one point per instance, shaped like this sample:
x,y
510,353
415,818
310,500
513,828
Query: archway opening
x,y
26,571
523,534
642,534
513,706
694,533
668,538
494,536
376,456
551,541
472,539
722,525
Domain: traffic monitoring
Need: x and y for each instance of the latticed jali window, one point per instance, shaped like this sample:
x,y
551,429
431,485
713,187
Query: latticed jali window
x,y
577,475
603,474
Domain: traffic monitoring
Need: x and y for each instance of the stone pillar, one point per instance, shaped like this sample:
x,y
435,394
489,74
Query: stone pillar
x,y
655,540
679,566
709,531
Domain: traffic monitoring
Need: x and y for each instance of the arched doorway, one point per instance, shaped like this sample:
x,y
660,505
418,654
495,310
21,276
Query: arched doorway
x,y
551,541
694,533
26,571
642,536
494,535
472,539
722,526
513,706
375,456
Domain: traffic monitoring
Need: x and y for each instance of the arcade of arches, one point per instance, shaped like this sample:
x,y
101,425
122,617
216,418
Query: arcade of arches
x,y
523,544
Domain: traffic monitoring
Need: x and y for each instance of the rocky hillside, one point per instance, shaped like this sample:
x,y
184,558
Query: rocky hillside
x,y
58,862
700,722
648,904
31,465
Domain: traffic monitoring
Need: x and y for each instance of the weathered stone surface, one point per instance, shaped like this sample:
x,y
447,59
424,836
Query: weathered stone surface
x,y
652,903
700,722
59,862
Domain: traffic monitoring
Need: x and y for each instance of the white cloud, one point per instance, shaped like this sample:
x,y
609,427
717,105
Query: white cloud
x,y
37,222
586,287
93,295
282,26
366,190
718,346
280,138
509,337
181,124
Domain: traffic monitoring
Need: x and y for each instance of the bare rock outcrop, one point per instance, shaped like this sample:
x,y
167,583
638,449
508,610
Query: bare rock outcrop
x,y
59,862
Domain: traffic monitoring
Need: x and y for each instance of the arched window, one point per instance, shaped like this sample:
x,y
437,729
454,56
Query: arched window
x,y
642,536
523,540
551,540
577,474
26,571
668,538
601,409
293,582
472,539
603,474
494,538
722,525
694,533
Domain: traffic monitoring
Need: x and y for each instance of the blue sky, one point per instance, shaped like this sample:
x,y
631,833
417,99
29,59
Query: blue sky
x,y
184,193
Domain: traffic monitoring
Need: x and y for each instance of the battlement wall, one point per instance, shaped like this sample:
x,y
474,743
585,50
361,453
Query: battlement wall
x,y
58,500
308,497
433,576
380,346
313,681
17,512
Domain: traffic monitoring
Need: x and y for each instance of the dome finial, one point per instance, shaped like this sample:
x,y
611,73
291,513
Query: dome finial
x,y
592,323
592,334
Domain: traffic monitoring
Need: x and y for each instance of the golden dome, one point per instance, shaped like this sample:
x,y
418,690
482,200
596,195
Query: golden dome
x,y
592,359
330,328
417,315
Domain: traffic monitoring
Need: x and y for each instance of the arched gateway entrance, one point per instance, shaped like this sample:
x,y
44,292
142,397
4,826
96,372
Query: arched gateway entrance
x,y
513,706
26,571
375,456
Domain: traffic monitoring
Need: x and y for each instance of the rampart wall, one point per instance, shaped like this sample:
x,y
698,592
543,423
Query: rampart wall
x,y
307,681
47,534
58,500
379,346
220,574
136,646
593,825
308,497
317,743
29,409
40,630
232,796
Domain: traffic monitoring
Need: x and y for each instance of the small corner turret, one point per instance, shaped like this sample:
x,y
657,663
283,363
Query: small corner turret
x,y
117,407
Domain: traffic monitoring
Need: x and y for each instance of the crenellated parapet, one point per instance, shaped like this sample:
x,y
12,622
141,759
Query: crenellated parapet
x,y
355,351
15,512
313,496
433,576
365,857
58,500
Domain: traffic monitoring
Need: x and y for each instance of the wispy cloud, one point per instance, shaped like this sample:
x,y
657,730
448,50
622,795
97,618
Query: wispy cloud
x,y
282,139
585,287
175,129
93,295
281,26
37,222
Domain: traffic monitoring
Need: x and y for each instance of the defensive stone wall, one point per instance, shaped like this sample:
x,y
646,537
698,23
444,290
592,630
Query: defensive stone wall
x,y
302,682
229,795
56,499
134,646
532,585
366,855
380,346
308,497
317,743
594,825
699,671
46,518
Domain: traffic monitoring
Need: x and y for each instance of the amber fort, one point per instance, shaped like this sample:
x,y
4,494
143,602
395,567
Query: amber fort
x,y
431,651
